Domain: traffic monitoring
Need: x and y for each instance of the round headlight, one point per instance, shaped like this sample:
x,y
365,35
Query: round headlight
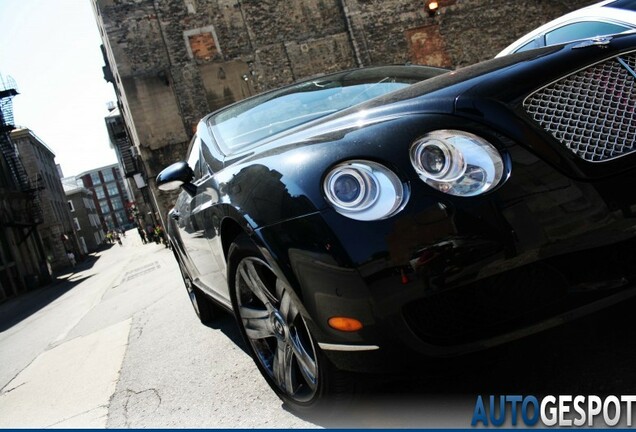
x,y
433,159
456,162
439,160
348,188
364,190
352,188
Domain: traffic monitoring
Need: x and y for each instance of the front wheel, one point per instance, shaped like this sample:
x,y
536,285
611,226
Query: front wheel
x,y
269,316
204,308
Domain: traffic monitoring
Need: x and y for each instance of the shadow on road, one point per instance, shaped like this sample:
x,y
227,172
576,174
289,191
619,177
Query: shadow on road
x,y
17,309
227,324
87,264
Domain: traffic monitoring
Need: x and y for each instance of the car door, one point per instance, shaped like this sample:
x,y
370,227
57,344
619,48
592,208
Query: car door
x,y
181,225
208,216
192,233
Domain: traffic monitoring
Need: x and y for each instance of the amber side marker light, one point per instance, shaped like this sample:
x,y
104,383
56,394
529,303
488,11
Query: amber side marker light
x,y
345,324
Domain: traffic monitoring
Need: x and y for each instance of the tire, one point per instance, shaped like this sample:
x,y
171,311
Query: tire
x,y
275,331
203,306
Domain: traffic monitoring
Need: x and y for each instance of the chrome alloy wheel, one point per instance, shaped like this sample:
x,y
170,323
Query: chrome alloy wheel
x,y
203,306
276,330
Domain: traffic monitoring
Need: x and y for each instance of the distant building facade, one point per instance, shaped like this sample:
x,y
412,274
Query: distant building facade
x,y
141,206
86,221
106,184
57,230
172,62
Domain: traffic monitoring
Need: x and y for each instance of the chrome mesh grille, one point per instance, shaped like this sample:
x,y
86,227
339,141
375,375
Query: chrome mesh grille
x,y
591,112
630,61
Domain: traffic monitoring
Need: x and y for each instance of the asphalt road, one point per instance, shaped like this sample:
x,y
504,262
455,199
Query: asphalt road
x,y
116,344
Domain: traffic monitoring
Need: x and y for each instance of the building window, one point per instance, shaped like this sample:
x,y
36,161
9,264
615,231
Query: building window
x,y
202,43
112,189
108,175
70,206
99,192
103,205
117,204
95,178
202,46
94,220
76,224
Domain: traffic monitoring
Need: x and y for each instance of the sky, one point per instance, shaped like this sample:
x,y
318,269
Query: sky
x,y
51,48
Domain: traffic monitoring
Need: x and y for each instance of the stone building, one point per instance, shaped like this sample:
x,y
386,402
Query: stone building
x,y
22,259
174,61
23,262
88,226
56,230
106,184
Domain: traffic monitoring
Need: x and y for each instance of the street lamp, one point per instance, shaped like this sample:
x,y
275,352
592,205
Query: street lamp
x,y
432,7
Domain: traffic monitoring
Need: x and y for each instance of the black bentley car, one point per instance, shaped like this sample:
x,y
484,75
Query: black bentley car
x,y
353,220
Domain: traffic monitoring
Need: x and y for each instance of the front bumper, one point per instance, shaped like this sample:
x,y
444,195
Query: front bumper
x,y
451,275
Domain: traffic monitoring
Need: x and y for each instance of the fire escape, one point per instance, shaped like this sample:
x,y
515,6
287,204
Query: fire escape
x,y
19,199
123,146
129,158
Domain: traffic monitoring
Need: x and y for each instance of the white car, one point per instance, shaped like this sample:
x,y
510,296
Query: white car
x,y
601,19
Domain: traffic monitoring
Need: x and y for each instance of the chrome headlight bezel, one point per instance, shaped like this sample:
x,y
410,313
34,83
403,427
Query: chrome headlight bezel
x,y
367,184
472,165
453,167
381,192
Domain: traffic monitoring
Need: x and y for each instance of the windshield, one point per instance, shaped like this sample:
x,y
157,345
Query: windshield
x,y
244,124
629,5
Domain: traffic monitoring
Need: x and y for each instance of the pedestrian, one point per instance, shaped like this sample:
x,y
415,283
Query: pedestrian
x,y
71,257
150,233
159,235
142,234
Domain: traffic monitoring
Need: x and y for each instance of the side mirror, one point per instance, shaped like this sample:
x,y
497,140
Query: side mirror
x,y
177,175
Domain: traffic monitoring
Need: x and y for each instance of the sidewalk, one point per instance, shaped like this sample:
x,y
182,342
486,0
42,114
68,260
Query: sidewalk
x,y
16,309
63,345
